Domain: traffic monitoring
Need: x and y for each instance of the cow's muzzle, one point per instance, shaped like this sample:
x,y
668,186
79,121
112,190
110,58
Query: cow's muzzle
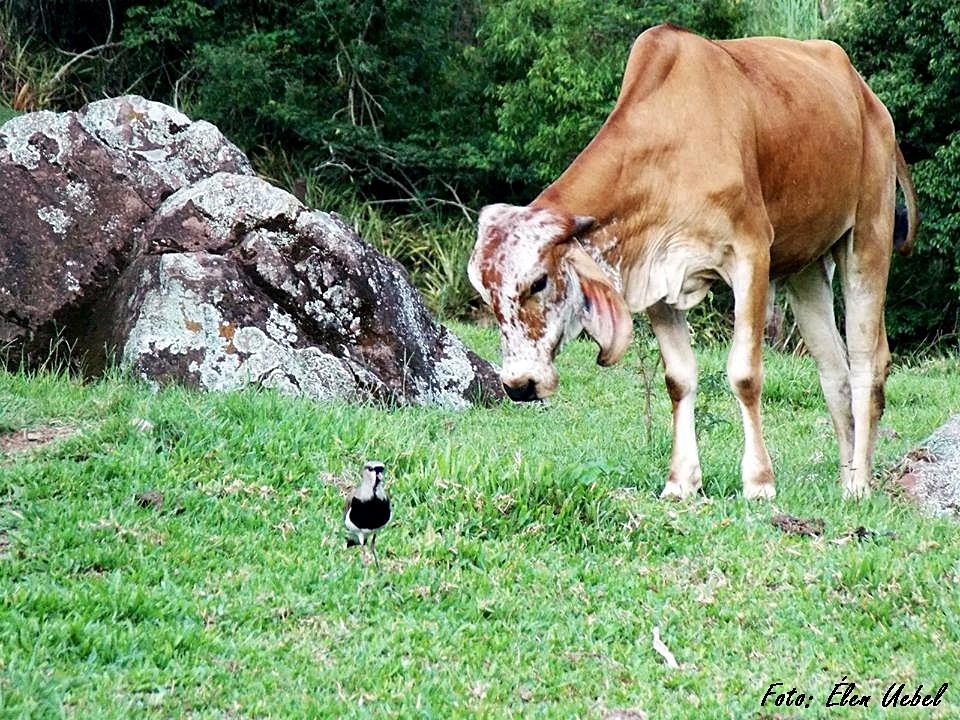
x,y
522,393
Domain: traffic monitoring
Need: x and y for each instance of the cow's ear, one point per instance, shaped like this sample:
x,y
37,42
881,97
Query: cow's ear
x,y
473,272
605,315
488,232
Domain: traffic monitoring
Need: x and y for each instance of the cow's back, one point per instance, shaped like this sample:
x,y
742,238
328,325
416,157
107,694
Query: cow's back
x,y
769,122
815,120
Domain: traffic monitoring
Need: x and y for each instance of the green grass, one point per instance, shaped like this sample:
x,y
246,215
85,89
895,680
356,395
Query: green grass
x,y
528,562
7,113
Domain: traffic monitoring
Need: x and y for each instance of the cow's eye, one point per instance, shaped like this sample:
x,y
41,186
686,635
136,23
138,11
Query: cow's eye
x,y
538,285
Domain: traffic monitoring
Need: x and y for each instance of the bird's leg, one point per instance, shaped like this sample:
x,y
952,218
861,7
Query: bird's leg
x,y
373,549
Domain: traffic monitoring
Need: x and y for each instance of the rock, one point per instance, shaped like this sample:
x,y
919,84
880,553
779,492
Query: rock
x,y
150,236
77,188
195,318
930,473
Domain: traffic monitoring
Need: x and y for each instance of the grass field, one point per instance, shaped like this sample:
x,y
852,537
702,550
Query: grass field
x,y
527,565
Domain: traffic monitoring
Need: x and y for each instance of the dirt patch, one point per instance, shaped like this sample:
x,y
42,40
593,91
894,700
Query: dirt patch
x,y
930,473
812,527
19,441
149,499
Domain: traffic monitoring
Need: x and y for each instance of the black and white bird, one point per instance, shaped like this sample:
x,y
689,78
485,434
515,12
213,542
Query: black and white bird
x,y
368,508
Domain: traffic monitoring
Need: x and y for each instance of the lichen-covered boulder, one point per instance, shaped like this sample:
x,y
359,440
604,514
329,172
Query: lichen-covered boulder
x,y
172,257
77,188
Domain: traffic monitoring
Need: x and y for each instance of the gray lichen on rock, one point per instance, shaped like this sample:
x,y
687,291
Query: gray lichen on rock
x,y
56,218
30,139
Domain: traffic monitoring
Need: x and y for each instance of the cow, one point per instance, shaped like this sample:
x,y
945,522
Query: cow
x,y
745,161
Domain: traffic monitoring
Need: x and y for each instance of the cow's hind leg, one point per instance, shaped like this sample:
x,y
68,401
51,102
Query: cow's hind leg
x,y
680,373
863,271
745,368
811,299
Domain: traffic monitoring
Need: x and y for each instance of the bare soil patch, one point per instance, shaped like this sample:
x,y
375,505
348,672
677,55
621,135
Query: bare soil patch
x,y
26,439
798,526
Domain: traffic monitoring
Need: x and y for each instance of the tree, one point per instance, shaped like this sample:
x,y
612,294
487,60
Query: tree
x,y
909,53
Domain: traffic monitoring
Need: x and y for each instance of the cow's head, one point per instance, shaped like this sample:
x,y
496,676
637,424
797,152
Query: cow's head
x,y
543,288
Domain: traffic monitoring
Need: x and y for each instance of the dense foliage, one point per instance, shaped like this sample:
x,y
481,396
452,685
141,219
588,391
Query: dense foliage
x,y
909,52
391,97
409,104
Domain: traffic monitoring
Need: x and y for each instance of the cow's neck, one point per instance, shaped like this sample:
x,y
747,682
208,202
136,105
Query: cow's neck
x,y
629,212
649,251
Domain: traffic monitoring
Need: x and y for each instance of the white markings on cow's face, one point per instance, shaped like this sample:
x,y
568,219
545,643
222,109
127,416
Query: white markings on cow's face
x,y
518,266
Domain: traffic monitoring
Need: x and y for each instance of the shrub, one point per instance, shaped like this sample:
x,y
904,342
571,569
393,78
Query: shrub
x,y
799,19
55,53
377,96
556,71
909,53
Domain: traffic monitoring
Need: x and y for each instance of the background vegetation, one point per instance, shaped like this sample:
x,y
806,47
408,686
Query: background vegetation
x,y
407,116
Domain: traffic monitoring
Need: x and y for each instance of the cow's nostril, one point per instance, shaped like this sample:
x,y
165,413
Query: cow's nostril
x,y
524,393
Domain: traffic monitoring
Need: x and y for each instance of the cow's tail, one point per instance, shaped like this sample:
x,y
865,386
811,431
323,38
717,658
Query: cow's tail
x,y
906,220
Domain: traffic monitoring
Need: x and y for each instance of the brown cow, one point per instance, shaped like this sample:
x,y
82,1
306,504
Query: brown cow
x,y
742,161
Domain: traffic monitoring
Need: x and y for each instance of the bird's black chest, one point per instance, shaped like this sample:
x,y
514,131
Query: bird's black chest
x,y
370,514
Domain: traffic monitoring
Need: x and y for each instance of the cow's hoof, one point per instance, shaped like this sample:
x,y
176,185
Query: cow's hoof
x,y
759,491
856,491
675,490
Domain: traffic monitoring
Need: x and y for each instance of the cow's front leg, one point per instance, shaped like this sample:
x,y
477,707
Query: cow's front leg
x,y
680,373
745,371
